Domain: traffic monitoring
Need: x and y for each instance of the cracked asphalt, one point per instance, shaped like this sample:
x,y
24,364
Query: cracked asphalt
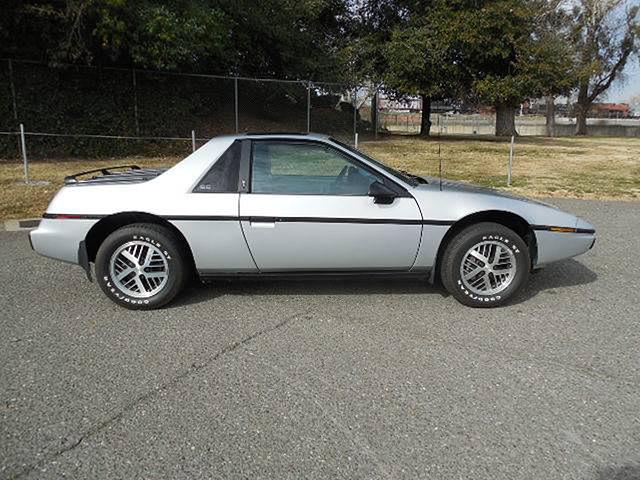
x,y
326,379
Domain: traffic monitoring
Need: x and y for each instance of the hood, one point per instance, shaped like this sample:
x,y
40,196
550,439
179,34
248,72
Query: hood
x,y
453,186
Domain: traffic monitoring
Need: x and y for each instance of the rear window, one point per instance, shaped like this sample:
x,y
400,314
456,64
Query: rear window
x,y
222,177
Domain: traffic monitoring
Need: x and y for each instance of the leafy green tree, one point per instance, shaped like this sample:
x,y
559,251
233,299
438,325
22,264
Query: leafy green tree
x,y
161,35
402,44
279,38
497,52
507,51
420,60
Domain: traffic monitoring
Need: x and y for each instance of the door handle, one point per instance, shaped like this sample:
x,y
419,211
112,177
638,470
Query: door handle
x,y
262,222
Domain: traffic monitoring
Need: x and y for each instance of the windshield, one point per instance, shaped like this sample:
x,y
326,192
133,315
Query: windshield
x,y
391,171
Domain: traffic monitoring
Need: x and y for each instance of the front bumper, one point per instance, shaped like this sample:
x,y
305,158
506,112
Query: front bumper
x,y
554,246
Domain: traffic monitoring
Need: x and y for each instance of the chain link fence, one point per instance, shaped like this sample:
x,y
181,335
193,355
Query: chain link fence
x,y
408,123
80,111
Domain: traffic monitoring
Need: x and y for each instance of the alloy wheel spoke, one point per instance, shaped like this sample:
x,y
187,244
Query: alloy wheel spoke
x,y
473,273
123,273
479,256
131,257
139,284
488,267
129,265
155,274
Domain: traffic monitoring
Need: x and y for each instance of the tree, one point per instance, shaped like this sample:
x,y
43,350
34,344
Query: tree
x,y
555,74
419,59
275,38
494,51
147,33
506,55
605,37
404,45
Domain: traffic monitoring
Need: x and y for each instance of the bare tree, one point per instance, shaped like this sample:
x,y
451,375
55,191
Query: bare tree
x,y
605,36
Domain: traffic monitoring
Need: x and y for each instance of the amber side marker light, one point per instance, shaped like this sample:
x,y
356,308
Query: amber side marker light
x,y
563,229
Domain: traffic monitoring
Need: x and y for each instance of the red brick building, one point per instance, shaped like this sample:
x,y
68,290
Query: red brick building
x,y
610,110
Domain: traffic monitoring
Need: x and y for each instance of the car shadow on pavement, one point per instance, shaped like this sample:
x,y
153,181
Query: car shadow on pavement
x,y
556,276
202,292
626,472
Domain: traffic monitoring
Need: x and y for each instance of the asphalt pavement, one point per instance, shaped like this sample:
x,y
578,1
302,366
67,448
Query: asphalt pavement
x,y
326,379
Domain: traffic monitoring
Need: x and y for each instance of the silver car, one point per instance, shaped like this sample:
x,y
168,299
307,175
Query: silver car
x,y
296,204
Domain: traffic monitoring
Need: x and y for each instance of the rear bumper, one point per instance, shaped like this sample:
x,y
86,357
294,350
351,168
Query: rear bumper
x,y
60,239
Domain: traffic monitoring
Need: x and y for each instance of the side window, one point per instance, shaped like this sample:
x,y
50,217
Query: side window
x,y
306,169
222,177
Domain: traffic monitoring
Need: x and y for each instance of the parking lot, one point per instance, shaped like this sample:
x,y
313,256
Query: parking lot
x,y
333,379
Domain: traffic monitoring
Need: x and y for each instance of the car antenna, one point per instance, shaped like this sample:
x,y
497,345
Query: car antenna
x,y
439,152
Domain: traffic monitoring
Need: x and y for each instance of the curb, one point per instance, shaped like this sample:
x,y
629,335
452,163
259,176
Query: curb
x,y
23,224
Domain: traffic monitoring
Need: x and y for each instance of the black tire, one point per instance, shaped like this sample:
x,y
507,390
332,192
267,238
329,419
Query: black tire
x,y
456,252
169,253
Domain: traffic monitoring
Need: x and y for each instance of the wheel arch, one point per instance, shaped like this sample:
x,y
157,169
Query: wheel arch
x,y
510,220
107,225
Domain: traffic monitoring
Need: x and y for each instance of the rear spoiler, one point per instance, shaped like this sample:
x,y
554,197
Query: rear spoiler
x,y
70,179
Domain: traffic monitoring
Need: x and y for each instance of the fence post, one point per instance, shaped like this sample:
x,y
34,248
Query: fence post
x,y
235,102
23,147
511,153
309,106
13,91
376,114
355,116
193,140
135,101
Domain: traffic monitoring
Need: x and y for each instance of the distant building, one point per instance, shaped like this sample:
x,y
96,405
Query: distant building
x,y
408,104
538,106
610,110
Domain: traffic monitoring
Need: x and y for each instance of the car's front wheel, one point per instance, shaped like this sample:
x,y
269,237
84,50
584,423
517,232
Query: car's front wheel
x,y
141,266
485,265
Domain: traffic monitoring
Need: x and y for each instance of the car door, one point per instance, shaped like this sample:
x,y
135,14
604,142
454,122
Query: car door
x,y
307,209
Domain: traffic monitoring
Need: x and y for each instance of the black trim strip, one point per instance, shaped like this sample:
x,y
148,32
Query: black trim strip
x,y
72,216
222,218
549,228
371,221
206,218
374,221
314,274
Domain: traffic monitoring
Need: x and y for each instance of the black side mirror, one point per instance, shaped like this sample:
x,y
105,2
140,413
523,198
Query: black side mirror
x,y
381,193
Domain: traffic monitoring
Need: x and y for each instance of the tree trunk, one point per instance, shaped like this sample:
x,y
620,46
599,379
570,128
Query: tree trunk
x,y
551,115
425,122
582,110
505,120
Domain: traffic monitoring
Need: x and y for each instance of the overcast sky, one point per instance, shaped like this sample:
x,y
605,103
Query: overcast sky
x,y
629,87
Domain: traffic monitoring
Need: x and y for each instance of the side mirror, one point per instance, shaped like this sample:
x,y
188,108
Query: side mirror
x,y
381,193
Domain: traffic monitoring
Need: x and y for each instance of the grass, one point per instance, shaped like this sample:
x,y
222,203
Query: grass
x,y
597,168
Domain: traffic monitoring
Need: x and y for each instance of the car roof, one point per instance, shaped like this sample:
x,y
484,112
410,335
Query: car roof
x,y
293,135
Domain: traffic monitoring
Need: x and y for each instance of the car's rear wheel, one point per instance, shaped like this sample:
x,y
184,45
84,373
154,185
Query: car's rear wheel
x,y
141,266
485,265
